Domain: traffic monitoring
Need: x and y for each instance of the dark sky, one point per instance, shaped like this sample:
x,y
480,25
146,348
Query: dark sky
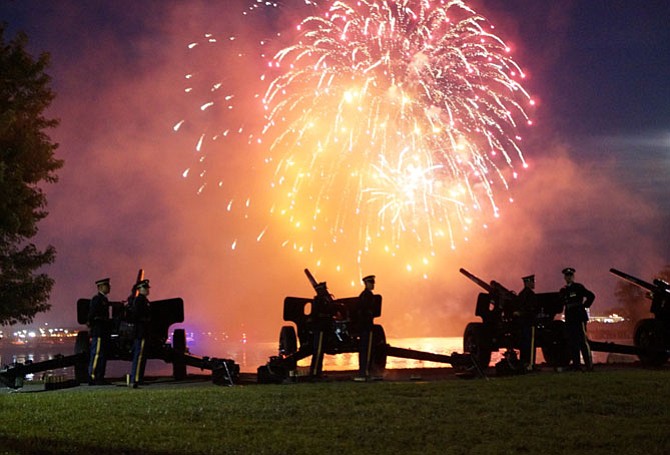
x,y
595,195
605,61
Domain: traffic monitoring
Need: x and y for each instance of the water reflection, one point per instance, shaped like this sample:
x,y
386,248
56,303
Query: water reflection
x,y
251,355
248,355
12,354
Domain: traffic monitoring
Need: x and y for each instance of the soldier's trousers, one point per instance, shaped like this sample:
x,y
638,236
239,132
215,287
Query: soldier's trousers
x,y
97,359
365,352
579,343
527,348
316,366
139,359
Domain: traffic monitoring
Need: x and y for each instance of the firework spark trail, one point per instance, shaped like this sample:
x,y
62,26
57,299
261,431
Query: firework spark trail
x,y
223,99
212,92
392,121
214,123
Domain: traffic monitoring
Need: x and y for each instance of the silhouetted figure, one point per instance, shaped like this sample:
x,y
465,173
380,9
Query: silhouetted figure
x,y
365,318
140,316
322,319
99,326
525,313
576,299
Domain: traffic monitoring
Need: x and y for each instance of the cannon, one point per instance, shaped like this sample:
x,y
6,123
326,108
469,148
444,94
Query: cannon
x,y
340,319
501,327
164,313
652,335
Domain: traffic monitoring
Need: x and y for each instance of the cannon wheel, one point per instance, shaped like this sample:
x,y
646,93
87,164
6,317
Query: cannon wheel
x,y
651,338
82,345
477,343
378,357
179,348
288,342
555,347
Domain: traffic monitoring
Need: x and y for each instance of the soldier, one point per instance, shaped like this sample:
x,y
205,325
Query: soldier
x,y
139,315
99,325
365,318
577,299
321,319
526,312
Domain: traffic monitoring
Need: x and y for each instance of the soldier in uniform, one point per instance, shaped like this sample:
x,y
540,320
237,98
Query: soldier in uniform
x,y
525,313
139,314
365,318
321,319
99,326
576,299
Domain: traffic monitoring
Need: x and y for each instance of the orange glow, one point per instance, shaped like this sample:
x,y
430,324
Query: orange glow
x,y
213,222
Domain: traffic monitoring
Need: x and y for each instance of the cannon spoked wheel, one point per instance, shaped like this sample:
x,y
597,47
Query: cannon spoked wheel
x,y
651,338
179,348
474,342
555,347
288,342
378,356
82,345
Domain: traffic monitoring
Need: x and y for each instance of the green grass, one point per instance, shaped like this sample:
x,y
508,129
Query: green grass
x,y
600,413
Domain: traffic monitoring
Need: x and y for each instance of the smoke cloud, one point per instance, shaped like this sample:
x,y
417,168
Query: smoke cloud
x,y
122,202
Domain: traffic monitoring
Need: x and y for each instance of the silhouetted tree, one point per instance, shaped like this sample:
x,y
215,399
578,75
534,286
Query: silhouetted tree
x,y
26,161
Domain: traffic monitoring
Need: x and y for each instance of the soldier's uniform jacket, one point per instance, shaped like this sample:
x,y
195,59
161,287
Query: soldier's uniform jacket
x,y
98,315
322,308
140,315
526,305
366,301
576,299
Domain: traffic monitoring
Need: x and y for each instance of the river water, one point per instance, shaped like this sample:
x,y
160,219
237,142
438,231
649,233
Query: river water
x,y
249,356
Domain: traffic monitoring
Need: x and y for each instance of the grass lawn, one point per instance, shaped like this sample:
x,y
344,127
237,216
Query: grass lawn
x,y
608,412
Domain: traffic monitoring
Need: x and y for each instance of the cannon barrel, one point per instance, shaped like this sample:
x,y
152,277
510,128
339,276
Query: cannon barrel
x,y
134,292
491,288
659,293
311,278
320,288
478,281
656,287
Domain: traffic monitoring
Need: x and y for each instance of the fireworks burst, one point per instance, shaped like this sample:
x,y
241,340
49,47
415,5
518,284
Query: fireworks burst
x,y
392,122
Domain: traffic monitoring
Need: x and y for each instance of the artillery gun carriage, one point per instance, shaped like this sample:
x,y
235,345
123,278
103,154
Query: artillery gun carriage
x,y
340,321
652,335
163,314
501,324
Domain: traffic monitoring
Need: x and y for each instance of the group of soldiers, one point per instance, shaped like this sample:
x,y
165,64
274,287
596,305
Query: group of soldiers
x,y
576,299
136,316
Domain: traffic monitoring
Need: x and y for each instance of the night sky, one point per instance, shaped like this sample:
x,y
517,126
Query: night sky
x,y
595,195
